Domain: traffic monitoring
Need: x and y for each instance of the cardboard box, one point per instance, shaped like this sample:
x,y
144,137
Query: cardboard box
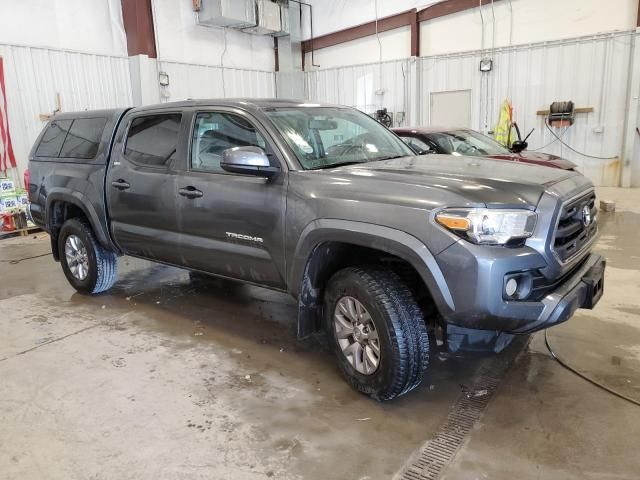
x,y
7,187
8,204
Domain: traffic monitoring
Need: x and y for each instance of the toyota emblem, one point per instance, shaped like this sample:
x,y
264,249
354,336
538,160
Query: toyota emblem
x,y
586,215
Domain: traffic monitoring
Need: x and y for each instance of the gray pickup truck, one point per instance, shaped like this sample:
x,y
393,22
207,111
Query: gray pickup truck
x,y
380,247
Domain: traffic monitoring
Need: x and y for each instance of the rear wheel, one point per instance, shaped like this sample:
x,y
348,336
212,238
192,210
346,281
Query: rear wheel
x,y
377,331
88,266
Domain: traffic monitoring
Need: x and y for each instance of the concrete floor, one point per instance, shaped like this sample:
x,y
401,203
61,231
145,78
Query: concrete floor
x,y
163,377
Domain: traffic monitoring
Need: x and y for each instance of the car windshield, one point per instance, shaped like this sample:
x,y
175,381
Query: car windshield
x,y
325,137
467,142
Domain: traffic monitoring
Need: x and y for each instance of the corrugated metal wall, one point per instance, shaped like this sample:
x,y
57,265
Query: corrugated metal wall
x,y
366,87
33,76
87,81
591,71
188,80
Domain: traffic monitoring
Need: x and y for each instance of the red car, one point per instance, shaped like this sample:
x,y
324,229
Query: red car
x,y
462,141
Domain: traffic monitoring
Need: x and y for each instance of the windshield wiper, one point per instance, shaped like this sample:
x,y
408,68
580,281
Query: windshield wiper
x,y
389,158
340,164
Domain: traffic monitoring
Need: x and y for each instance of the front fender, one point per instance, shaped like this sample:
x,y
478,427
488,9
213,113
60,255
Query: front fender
x,y
385,239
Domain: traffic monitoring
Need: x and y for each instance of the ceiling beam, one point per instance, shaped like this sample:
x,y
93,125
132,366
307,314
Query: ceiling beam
x,y
385,24
411,18
449,7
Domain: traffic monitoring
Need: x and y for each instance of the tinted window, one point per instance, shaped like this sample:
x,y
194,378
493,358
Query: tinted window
x,y
53,137
418,145
214,133
83,138
153,139
467,142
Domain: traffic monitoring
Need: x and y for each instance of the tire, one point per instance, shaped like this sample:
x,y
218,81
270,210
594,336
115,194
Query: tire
x,y
102,264
403,340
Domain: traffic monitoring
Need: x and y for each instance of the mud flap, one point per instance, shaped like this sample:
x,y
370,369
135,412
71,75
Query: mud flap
x,y
466,340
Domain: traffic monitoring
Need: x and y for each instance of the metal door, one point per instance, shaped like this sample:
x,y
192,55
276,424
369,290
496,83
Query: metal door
x,y
451,109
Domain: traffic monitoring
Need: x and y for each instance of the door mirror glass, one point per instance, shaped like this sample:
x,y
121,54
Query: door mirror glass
x,y
247,161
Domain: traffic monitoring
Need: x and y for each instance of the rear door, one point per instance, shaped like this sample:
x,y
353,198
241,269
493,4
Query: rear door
x,y
141,184
232,224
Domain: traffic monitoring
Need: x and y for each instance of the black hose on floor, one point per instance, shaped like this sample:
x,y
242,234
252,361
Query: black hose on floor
x,y
584,377
14,262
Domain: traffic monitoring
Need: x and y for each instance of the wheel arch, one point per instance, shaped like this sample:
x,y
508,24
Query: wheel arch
x,y
325,245
62,205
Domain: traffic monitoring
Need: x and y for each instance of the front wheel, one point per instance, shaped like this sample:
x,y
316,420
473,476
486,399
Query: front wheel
x,y
88,266
377,331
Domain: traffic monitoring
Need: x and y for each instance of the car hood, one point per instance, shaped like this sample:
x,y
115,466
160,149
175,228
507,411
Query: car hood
x,y
538,158
462,180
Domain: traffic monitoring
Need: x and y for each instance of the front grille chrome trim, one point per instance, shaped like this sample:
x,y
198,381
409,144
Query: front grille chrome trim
x,y
584,248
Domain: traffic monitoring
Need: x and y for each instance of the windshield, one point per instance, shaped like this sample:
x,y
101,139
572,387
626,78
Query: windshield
x,y
467,142
325,137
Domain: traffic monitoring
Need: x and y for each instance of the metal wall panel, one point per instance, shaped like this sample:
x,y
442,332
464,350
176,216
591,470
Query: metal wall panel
x,y
33,76
592,71
189,80
365,87
86,81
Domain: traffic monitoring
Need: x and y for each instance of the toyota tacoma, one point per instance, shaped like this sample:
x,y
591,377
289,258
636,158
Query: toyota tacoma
x,y
379,246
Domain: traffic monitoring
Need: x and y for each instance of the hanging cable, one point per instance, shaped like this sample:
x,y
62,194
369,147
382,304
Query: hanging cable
x,y
562,142
566,129
224,52
510,71
493,28
482,77
375,3
585,377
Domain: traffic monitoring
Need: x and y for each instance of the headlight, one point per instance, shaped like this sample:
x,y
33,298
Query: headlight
x,y
489,226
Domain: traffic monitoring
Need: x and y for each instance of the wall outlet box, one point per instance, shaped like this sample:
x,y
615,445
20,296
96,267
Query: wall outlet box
x,y
598,129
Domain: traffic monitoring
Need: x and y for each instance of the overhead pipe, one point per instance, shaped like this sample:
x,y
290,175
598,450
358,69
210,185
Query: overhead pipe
x,y
313,60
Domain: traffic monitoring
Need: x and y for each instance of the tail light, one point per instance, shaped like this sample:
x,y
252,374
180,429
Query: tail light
x,y
27,179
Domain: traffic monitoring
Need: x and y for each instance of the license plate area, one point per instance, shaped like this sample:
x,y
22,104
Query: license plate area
x,y
594,279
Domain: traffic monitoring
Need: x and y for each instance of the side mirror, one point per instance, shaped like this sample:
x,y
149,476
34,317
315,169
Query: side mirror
x,y
247,161
519,146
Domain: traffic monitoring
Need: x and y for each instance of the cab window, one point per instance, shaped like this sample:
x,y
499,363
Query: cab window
x,y
215,132
83,138
152,140
53,137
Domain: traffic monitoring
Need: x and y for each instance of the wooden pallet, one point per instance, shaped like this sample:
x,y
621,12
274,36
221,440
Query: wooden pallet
x,y
23,232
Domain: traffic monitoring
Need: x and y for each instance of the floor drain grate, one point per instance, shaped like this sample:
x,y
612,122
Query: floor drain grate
x,y
465,412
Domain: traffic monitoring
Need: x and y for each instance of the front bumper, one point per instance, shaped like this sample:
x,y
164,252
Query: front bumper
x,y
475,278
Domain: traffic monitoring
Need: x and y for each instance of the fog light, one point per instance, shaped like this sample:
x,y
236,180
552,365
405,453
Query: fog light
x,y
511,287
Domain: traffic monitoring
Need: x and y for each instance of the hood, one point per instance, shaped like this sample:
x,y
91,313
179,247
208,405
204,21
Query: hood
x,y
538,158
459,180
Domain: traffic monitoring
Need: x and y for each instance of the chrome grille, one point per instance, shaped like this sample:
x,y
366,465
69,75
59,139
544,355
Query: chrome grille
x,y
576,228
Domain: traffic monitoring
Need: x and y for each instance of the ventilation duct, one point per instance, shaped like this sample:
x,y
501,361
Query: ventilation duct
x,y
290,78
261,17
228,13
268,16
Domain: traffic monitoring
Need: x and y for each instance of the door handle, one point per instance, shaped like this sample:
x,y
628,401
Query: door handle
x,y
190,192
120,184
